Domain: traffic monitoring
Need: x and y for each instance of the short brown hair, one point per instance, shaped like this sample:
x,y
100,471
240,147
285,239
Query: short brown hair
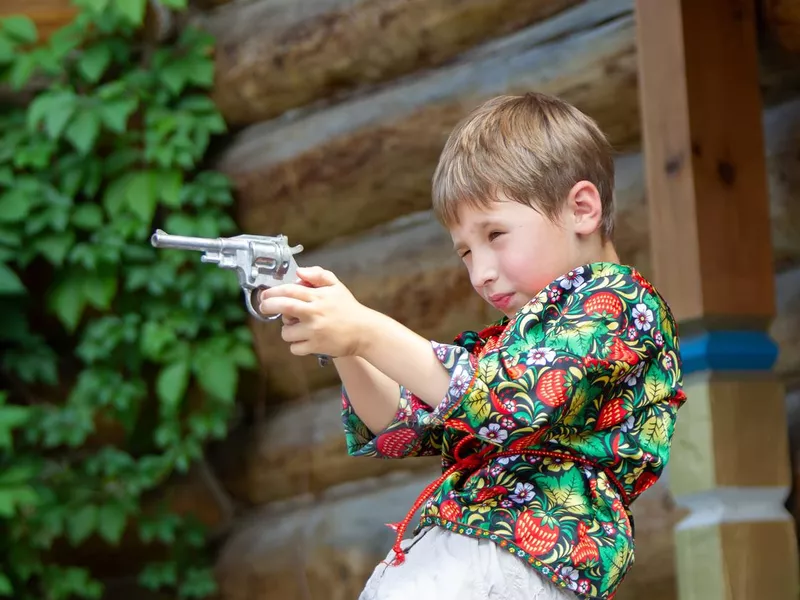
x,y
532,149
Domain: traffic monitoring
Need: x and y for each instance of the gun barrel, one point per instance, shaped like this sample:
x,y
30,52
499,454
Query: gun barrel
x,y
161,239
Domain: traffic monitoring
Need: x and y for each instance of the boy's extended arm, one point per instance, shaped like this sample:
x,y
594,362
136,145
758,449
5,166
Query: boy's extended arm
x,y
403,357
373,395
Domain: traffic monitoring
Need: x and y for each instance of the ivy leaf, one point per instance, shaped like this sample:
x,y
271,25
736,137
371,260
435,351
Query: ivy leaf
x,y
132,10
94,62
82,523
20,28
22,70
5,586
217,375
87,216
175,4
111,522
82,131
55,246
115,114
10,283
172,383
14,206
68,301
100,290
142,194
170,184
11,417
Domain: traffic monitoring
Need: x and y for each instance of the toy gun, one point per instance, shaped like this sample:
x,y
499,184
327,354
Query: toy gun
x,y
260,262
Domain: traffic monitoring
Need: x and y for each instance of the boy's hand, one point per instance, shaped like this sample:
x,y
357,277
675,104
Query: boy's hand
x,y
320,315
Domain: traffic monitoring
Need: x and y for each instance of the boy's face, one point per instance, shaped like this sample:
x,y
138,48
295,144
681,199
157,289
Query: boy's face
x,y
512,252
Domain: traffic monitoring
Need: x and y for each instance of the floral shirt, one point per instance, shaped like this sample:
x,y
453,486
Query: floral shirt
x,y
555,421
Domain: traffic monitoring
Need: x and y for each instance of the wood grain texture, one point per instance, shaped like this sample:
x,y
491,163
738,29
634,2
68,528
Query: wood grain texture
x,y
334,171
703,141
273,55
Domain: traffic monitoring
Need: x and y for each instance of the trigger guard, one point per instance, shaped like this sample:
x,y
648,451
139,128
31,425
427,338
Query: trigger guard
x,y
248,300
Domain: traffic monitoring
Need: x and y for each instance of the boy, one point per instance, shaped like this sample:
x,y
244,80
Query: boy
x,y
549,422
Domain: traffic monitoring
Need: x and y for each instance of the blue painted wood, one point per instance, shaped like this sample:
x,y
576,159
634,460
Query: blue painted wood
x,y
728,351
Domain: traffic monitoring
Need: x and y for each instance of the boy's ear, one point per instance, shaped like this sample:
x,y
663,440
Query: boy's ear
x,y
585,209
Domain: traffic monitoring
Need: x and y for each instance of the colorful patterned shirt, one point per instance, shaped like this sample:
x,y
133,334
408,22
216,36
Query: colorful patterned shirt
x,y
555,421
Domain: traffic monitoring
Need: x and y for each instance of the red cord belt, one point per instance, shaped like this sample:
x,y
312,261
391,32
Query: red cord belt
x,y
472,462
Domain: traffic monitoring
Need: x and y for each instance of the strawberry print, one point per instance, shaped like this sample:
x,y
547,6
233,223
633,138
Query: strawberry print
x,y
550,387
603,302
536,535
540,407
612,413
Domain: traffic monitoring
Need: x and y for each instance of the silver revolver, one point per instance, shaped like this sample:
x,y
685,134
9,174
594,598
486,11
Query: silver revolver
x,y
260,262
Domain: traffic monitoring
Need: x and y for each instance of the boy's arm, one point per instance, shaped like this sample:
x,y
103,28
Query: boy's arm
x,y
404,357
374,396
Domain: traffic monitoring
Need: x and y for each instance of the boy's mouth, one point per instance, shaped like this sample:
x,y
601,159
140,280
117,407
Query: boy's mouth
x,y
501,301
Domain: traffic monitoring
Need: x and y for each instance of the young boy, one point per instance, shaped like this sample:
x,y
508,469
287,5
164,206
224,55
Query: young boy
x,y
550,422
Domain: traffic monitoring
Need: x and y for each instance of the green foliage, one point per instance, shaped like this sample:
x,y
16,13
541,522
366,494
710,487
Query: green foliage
x,y
97,326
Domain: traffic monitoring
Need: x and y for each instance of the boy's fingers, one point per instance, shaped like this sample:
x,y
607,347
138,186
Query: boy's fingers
x,y
317,276
283,306
288,290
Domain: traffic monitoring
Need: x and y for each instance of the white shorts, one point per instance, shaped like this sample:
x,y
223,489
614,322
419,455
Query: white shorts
x,y
442,565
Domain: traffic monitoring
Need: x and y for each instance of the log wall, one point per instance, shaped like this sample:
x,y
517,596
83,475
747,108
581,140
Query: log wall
x,y
339,109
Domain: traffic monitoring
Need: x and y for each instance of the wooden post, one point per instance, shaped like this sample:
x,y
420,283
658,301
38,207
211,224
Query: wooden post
x,y
712,257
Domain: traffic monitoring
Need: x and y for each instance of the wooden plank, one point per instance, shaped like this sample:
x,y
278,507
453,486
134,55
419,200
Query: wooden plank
x,y
323,173
703,140
48,15
273,55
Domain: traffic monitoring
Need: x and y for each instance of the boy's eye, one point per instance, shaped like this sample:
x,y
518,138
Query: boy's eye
x,y
463,255
494,234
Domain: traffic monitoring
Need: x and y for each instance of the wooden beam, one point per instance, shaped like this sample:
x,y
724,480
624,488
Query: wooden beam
x,y
273,56
708,193
323,173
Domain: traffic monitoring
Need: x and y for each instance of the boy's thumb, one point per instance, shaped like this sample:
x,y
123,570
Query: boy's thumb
x,y
316,276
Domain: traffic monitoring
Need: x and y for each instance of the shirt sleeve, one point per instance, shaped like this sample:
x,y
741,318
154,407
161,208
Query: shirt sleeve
x,y
575,357
415,430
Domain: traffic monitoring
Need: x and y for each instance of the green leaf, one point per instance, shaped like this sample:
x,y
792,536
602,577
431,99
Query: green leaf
x,y
111,522
22,70
100,290
55,246
7,51
82,523
20,28
87,216
15,205
172,383
217,375
12,496
175,4
157,575
132,10
10,283
94,62
115,114
82,131
5,586
142,194
11,417
68,301
170,183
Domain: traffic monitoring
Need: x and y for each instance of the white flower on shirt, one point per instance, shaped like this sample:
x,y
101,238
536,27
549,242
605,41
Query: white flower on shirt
x,y
642,317
523,493
570,576
540,356
572,279
460,381
493,432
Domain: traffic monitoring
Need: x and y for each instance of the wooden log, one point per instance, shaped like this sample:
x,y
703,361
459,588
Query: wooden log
x,y
332,172
274,56
781,23
299,450
407,268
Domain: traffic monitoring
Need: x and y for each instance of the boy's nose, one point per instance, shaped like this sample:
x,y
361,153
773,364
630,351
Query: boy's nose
x,y
482,274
